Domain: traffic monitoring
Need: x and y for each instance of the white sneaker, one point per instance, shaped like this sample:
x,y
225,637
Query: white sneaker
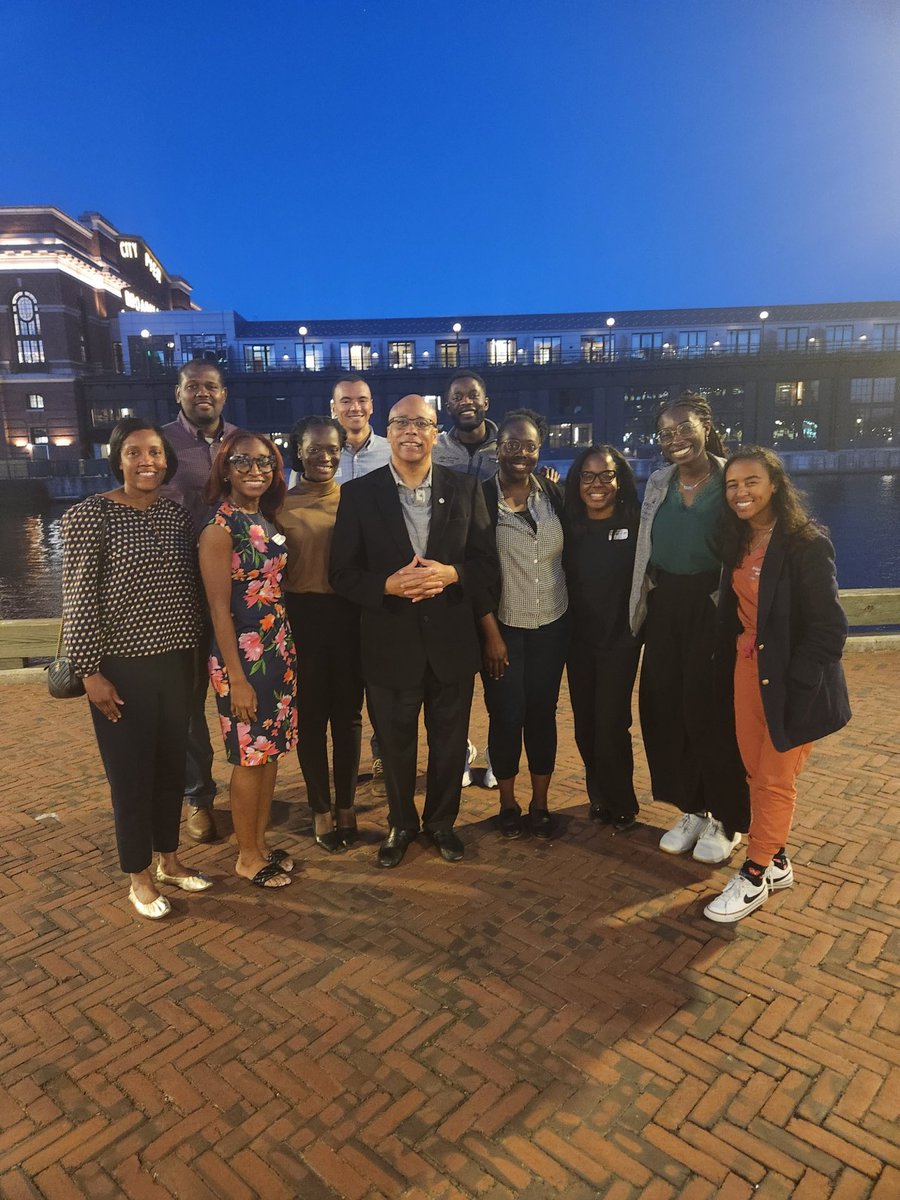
x,y
489,779
471,755
740,897
683,836
714,845
780,877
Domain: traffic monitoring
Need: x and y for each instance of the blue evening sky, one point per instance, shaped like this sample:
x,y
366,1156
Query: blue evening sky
x,y
404,157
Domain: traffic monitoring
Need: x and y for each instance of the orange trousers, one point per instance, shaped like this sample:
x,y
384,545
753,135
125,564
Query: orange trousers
x,y
771,774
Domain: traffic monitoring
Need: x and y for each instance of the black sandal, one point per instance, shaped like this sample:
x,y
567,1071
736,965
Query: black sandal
x,y
282,859
267,873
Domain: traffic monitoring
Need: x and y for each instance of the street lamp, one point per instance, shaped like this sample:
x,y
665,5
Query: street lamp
x,y
457,330
763,317
303,331
145,334
610,338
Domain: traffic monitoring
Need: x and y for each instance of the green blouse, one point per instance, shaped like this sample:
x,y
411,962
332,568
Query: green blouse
x,y
683,537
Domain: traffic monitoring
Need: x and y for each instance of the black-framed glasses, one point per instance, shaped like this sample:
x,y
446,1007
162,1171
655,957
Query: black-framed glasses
x,y
244,463
598,476
683,429
420,423
513,445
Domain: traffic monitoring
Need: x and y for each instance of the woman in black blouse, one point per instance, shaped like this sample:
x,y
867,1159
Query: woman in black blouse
x,y
602,516
131,612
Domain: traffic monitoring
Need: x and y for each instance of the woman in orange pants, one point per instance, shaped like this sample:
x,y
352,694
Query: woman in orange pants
x,y
781,634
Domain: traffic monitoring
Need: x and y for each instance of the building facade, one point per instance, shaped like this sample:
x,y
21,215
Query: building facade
x,y
63,283
799,377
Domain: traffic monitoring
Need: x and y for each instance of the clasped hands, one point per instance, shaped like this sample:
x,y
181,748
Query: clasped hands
x,y
420,579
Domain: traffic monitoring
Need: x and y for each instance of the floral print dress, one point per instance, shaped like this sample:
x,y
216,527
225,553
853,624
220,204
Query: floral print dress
x,y
264,639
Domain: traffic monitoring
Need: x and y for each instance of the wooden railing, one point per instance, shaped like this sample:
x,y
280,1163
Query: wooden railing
x,y
866,608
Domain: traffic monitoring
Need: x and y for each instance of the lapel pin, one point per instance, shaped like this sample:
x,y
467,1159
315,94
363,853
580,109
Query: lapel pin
x,y
440,499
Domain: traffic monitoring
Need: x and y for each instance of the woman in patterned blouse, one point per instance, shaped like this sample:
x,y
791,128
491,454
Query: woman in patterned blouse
x,y
131,610
252,665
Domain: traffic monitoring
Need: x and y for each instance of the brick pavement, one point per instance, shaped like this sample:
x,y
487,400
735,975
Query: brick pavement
x,y
542,1020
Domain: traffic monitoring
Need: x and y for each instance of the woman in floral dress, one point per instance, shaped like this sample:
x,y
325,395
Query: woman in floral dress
x,y
252,664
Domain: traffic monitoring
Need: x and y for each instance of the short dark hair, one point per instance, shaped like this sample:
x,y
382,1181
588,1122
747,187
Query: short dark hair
x,y
351,377
463,373
120,434
219,486
303,426
202,362
626,497
525,414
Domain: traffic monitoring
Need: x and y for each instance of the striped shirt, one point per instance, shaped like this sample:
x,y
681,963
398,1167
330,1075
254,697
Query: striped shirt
x,y
534,586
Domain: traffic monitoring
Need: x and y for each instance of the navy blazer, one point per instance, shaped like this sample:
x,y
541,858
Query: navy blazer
x,y
801,630
400,638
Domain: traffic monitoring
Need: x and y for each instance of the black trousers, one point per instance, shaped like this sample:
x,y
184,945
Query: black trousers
x,y
199,785
144,752
689,737
396,718
329,692
522,704
600,687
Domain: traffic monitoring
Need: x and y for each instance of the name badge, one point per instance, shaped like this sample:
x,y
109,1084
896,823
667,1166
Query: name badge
x,y
279,539
618,535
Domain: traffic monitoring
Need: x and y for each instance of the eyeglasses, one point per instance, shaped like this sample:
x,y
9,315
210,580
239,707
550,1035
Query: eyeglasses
x,y
683,429
513,445
244,463
598,476
420,423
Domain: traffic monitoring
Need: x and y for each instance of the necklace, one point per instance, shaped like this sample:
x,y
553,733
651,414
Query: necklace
x,y
762,537
692,487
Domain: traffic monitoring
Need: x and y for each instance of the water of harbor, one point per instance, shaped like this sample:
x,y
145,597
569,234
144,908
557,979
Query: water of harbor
x,y
861,510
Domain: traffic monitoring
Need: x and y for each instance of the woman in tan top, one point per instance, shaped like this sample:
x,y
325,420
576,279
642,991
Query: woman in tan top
x,y
326,632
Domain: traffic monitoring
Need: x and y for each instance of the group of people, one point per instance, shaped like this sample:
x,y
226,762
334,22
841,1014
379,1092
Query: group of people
x,y
397,568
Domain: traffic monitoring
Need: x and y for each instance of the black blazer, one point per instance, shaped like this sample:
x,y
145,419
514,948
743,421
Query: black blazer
x,y
800,635
399,638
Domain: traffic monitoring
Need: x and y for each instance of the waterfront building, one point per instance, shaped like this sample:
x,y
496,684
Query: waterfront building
x,y
63,283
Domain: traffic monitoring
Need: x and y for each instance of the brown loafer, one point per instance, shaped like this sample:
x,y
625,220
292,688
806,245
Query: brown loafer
x,y
200,825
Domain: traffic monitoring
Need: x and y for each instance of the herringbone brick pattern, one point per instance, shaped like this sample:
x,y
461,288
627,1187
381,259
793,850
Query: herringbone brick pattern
x,y
540,1021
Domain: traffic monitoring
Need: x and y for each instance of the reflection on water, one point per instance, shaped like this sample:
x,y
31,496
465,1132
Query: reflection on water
x,y
861,511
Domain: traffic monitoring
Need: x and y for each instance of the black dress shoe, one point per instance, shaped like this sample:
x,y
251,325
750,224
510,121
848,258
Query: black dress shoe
x,y
509,821
541,822
601,814
449,845
394,846
330,841
624,824
349,836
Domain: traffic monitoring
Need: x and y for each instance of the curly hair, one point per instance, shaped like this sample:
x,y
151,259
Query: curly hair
x,y
525,414
302,427
788,503
219,486
627,503
698,405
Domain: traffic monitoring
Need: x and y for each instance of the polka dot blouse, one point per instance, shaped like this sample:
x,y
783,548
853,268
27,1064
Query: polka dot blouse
x,y
130,581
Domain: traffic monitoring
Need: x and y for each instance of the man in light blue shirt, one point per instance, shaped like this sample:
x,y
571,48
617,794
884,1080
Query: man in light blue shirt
x,y
364,451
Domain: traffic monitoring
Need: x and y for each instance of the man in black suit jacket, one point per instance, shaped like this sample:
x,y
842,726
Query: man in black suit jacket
x,y
413,547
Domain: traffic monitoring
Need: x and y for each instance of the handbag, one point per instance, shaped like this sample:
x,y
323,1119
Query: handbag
x,y
62,681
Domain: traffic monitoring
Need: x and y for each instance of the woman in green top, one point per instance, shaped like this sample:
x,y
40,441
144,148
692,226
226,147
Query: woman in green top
x,y
688,736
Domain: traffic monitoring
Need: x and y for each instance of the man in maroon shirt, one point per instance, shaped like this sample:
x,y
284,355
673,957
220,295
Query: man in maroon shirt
x,y
195,436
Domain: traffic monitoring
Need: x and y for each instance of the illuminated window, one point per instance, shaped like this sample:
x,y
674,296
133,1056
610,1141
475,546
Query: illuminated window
x,y
547,350
101,417
27,325
501,351
356,356
639,418
872,411
743,341
209,346
258,357
35,401
598,348
796,412
646,345
402,354
453,354
692,343
310,355
567,435
38,437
